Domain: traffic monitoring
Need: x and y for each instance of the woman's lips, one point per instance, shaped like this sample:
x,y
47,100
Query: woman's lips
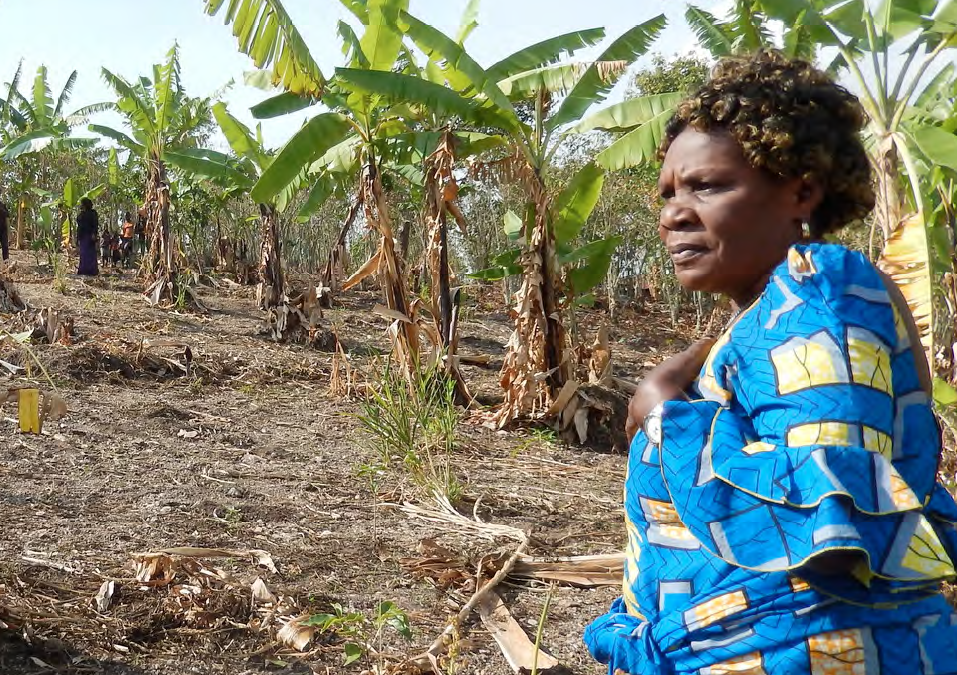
x,y
683,254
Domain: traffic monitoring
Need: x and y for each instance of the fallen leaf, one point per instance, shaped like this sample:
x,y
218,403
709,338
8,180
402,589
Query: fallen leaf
x,y
296,635
263,559
261,594
104,596
150,566
517,649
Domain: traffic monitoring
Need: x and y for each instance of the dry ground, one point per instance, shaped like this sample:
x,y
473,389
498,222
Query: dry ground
x,y
249,450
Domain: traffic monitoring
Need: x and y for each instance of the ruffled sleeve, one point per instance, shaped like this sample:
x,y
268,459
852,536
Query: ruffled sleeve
x,y
623,642
816,437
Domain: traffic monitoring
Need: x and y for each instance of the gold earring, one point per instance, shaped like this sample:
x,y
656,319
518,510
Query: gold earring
x,y
805,229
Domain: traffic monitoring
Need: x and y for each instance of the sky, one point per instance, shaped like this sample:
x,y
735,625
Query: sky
x,y
129,36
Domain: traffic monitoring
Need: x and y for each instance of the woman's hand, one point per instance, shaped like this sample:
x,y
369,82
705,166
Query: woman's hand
x,y
666,381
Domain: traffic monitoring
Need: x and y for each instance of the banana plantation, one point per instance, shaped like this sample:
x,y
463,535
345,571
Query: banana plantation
x,y
356,401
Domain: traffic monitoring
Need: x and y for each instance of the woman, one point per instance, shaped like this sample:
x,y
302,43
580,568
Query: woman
x,y
87,236
782,510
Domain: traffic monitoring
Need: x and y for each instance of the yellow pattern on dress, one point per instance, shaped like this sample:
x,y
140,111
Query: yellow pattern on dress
x,y
801,265
838,653
878,441
805,365
708,382
821,433
716,609
665,516
749,664
904,498
870,362
758,447
926,554
632,557
799,585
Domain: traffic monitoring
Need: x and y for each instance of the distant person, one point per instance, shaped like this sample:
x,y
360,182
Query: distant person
x,y
140,231
106,247
126,239
87,235
4,231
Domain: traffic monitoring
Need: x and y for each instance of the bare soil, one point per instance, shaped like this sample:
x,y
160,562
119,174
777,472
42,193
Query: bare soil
x,y
239,444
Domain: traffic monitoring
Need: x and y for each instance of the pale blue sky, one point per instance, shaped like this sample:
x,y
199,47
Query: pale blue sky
x,y
128,36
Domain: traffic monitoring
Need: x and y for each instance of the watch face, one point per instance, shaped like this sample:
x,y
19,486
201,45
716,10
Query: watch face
x,y
653,427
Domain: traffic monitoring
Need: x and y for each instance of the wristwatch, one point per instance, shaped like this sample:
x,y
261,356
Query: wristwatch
x,y
652,424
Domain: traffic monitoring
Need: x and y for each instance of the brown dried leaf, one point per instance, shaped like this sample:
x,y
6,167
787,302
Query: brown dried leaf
x,y
263,559
581,424
295,635
564,398
396,315
261,594
54,406
518,650
586,571
368,269
151,566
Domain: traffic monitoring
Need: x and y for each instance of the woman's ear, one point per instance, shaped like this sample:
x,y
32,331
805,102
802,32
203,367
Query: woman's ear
x,y
809,196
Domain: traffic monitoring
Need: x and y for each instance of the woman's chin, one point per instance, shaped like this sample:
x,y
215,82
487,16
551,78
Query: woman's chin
x,y
696,280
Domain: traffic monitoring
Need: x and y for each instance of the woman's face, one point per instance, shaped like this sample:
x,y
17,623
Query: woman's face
x,y
726,224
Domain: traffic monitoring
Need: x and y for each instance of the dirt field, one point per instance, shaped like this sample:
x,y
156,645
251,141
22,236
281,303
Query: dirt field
x,y
248,450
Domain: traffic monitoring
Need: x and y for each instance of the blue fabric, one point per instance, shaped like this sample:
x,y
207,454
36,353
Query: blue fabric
x,y
808,433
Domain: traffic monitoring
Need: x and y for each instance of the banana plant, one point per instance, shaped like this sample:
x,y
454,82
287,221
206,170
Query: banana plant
x,y
426,154
34,128
357,141
163,120
559,93
266,33
239,175
641,120
41,122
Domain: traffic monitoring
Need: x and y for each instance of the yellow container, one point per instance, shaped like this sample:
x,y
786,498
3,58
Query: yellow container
x,y
30,411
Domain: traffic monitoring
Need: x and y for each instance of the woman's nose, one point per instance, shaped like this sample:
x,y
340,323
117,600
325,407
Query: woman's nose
x,y
676,216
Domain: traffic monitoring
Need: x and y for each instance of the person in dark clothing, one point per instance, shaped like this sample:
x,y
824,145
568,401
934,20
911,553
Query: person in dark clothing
x,y
4,231
87,236
106,247
140,231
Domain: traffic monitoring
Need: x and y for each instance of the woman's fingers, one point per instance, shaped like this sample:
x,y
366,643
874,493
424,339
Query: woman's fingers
x,y
665,382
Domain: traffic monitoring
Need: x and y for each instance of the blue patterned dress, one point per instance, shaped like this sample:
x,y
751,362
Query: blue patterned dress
x,y
810,433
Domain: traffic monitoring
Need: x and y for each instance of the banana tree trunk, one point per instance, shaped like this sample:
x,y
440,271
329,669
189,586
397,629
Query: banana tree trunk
x,y
440,188
889,203
405,235
158,267
391,277
271,282
21,215
441,191
536,367
331,274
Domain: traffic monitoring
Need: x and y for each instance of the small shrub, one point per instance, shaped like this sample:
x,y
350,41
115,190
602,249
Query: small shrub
x,y
353,628
415,425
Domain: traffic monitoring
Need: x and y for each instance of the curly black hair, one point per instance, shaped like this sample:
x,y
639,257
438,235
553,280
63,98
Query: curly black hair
x,y
791,120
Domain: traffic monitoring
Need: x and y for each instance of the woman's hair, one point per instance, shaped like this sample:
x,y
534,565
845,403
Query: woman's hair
x,y
791,120
86,204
